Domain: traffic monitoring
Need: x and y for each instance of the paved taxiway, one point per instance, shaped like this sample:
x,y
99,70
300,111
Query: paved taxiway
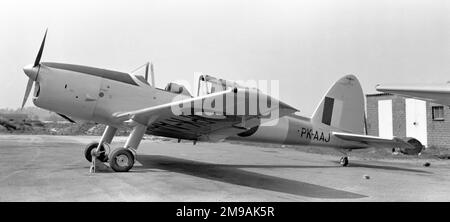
x,y
52,168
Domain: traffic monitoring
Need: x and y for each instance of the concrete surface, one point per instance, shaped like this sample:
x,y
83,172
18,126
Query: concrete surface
x,y
53,168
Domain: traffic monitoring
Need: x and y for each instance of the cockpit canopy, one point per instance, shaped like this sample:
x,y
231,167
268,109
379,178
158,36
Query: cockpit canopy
x,y
141,73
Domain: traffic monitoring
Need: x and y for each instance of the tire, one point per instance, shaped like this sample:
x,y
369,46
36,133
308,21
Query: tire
x,y
121,160
87,152
344,161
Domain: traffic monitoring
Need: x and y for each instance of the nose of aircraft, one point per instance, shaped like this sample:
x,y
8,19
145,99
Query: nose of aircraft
x,y
31,71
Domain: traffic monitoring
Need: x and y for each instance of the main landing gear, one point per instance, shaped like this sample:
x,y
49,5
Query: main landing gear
x,y
344,161
120,159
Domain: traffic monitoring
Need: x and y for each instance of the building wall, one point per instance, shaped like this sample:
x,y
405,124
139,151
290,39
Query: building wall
x,y
372,115
398,112
438,132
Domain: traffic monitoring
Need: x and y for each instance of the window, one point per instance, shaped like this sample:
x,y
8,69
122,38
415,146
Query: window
x,y
142,79
437,113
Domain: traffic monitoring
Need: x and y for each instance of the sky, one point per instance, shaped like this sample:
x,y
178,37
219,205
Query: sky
x,y
305,44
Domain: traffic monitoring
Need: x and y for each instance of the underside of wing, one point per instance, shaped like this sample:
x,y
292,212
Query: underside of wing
x,y
435,93
184,120
193,127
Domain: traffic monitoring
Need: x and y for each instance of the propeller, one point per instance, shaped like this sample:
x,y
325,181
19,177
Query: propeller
x,y
27,91
32,71
39,55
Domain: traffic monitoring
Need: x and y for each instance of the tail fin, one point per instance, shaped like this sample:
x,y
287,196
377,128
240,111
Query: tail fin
x,y
343,106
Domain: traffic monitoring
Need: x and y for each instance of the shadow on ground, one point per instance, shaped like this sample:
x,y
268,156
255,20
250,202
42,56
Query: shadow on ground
x,y
233,175
362,165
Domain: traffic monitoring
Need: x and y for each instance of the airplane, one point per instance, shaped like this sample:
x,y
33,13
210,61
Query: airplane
x,y
119,99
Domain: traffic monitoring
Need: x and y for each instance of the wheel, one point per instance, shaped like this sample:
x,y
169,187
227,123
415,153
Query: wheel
x,y
88,150
344,161
121,160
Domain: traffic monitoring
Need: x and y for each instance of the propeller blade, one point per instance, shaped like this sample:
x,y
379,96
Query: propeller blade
x,y
27,91
39,55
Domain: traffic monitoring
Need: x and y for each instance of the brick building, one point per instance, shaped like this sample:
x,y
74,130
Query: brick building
x,y
391,115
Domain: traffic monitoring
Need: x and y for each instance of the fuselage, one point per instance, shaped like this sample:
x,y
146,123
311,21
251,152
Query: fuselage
x,y
296,130
96,94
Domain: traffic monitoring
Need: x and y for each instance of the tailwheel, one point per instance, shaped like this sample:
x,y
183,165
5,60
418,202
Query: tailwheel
x,y
344,161
92,146
121,160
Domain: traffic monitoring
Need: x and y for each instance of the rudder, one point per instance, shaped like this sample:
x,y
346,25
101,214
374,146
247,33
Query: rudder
x,y
342,106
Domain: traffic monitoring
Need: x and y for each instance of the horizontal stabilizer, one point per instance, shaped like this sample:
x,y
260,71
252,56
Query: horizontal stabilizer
x,y
374,140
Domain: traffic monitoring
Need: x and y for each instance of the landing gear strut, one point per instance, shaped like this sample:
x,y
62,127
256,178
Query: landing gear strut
x,y
122,159
344,161
97,150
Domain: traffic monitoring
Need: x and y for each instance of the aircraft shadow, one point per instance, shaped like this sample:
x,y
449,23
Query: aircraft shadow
x,y
233,175
362,165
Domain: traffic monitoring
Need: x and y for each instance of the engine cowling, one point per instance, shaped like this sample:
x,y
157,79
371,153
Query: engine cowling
x,y
416,144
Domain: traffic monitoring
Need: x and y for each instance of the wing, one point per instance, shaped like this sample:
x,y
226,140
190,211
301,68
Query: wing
x,y
184,120
435,93
374,141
